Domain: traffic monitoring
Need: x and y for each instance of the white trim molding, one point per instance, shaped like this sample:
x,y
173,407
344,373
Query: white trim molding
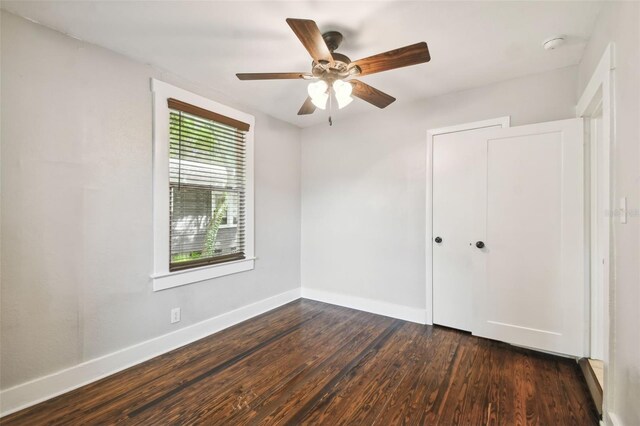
x,y
161,277
503,122
405,313
600,81
43,388
165,280
598,97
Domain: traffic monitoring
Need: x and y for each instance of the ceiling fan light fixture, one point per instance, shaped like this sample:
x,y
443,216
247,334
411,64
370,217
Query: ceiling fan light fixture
x,y
317,88
320,100
343,101
343,90
318,93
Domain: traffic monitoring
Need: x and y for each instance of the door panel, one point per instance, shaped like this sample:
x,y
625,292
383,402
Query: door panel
x,y
459,170
533,291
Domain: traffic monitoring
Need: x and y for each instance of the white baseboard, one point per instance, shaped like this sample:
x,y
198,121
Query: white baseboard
x,y
43,388
368,305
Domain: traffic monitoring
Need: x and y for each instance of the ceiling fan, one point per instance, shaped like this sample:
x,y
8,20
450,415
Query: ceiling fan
x,y
333,73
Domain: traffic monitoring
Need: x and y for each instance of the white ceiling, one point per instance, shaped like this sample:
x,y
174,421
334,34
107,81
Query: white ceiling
x,y
472,43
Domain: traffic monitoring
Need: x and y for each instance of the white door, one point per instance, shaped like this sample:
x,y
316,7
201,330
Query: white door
x,y
533,293
459,200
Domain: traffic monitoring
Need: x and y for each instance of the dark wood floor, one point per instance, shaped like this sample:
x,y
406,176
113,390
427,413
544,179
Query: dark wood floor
x,y
313,363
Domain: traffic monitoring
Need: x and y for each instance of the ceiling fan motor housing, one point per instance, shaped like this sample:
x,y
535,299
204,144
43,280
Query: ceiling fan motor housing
x,y
340,68
332,39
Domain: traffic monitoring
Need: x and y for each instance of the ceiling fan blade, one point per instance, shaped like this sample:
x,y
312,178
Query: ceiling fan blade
x,y
274,76
307,107
371,94
311,37
403,57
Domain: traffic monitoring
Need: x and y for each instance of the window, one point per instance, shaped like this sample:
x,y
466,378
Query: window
x,y
206,184
203,188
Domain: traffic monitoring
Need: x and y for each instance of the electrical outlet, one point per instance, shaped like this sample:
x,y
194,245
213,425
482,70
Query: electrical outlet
x,y
175,315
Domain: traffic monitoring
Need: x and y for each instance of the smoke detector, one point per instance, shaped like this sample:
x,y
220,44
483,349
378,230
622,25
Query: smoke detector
x,y
553,42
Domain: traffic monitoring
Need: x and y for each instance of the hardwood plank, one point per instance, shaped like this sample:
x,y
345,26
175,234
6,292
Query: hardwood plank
x,y
476,396
321,398
310,363
547,381
368,381
495,385
416,392
450,401
527,391
577,404
235,388
364,400
507,403
258,362
301,388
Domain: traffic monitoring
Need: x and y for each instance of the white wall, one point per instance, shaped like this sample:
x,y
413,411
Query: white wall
x,y
76,207
363,184
619,23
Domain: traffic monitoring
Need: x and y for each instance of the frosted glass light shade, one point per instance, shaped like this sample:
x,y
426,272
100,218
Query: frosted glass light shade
x,y
343,101
318,93
343,90
317,88
320,100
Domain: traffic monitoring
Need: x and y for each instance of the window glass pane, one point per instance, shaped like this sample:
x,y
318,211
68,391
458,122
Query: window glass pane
x,y
206,178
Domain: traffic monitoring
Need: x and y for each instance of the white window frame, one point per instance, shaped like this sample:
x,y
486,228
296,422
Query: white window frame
x,y
162,278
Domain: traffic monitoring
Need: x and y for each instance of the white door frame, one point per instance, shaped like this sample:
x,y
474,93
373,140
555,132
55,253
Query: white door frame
x,y
599,95
496,122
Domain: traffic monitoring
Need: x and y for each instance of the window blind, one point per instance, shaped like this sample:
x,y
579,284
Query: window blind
x,y
206,186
